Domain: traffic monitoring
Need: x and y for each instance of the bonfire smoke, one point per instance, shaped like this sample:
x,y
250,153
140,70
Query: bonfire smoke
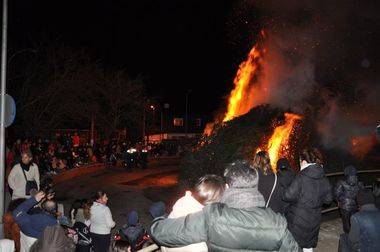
x,y
320,47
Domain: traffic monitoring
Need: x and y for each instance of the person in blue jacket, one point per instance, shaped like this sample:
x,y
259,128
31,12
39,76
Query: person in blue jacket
x,y
35,224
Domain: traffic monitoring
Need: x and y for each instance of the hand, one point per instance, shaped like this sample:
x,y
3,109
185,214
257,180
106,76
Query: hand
x,y
50,196
39,196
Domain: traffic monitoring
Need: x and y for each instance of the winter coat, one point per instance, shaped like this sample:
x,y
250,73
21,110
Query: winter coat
x,y
285,179
54,239
307,193
266,183
32,225
17,182
101,219
365,229
184,206
346,191
226,229
11,229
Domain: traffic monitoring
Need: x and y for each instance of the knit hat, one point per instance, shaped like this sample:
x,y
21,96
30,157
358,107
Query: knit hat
x,y
157,209
133,218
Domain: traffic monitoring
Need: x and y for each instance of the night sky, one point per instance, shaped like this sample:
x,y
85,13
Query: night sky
x,y
198,45
175,45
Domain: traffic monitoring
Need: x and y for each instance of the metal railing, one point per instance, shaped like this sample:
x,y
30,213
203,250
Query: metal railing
x,y
336,174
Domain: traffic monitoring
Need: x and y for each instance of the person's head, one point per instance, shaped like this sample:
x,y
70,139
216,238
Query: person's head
x,y
283,164
14,204
101,197
261,162
350,173
240,174
50,207
209,189
121,246
26,157
365,197
310,155
133,218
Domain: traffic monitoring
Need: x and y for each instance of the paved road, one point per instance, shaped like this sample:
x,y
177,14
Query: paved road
x,y
137,190
126,191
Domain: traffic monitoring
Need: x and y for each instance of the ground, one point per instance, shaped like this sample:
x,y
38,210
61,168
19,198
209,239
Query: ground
x,y
139,189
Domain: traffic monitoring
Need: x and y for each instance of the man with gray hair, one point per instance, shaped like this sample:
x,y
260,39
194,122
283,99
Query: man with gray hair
x,y
237,223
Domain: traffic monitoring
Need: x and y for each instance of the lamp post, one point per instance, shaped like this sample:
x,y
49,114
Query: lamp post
x,y
2,116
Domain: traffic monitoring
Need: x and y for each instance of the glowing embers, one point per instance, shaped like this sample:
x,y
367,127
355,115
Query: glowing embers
x,y
278,143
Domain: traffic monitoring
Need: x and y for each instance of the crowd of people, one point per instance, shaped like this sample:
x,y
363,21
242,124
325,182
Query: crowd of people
x,y
61,152
252,207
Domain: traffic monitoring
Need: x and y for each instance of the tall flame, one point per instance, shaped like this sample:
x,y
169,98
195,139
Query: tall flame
x,y
240,99
278,144
250,91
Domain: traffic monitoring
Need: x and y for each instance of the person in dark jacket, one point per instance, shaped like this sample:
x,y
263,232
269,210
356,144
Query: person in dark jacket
x,y
34,225
346,192
365,227
235,225
268,182
307,193
286,176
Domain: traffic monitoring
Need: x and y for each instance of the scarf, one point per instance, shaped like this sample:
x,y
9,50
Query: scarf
x,y
243,198
25,167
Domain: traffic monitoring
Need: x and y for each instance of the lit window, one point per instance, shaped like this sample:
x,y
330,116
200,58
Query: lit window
x,y
178,122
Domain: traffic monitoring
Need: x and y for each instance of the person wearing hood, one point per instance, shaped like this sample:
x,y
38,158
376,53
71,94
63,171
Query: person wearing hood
x,y
24,178
307,193
346,192
239,222
286,176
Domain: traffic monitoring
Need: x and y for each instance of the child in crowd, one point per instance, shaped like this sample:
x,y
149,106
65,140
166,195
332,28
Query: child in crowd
x,y
209,189
121,246
133,232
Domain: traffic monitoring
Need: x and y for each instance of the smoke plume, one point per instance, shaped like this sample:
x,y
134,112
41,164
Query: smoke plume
x,y
321,54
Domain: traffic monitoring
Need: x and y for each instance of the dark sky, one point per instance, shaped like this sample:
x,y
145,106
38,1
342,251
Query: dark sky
x,y
179,45
176,45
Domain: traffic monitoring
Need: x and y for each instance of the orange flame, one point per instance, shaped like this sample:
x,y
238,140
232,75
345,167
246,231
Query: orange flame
x,y
208,129
239,102
278,144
